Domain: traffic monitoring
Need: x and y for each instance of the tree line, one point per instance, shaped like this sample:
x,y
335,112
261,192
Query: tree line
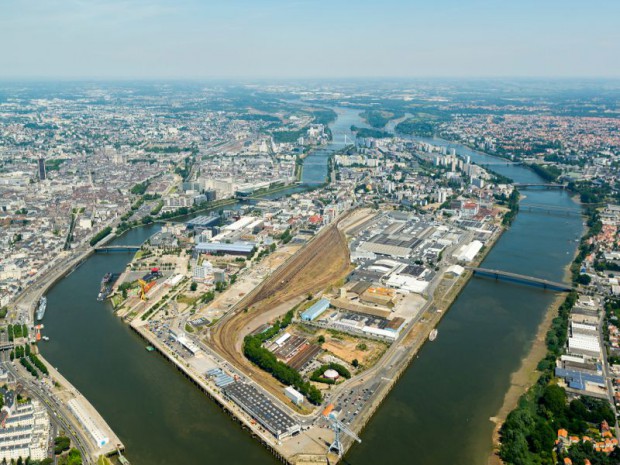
x,y
513,205
17,331
528,435
100,235
255,352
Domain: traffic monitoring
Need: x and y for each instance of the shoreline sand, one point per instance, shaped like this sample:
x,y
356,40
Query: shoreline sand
x,y
527,374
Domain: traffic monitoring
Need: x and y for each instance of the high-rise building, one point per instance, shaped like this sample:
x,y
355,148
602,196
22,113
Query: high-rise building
x,y
41,163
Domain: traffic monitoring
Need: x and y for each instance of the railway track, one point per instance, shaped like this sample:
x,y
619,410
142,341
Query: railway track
x,y
323,261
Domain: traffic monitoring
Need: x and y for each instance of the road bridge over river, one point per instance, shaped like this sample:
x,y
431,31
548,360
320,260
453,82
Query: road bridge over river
x,y
549,185
117,248
522,279
550,209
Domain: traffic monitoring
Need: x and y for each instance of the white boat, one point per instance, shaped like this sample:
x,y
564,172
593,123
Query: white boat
x,y
433,335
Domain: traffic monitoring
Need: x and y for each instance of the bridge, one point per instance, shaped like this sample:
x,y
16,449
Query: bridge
x,y
548,185
117,248
6,346
522,279
550,209
499,163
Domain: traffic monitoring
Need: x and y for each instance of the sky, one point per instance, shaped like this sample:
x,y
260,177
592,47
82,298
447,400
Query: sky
x,y
195,39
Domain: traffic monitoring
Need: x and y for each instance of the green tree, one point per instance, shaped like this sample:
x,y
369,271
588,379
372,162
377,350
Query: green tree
x,y
61,444
554,399
584,279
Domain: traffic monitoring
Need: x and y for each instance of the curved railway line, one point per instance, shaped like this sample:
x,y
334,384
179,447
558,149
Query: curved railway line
x,y
321,262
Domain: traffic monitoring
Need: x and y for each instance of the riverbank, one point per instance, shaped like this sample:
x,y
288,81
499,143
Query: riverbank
x,y
65,392
524,378
412,341
527,374
212,206
211,391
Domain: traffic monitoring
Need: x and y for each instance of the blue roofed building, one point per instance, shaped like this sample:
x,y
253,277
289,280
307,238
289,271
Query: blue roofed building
x,y
315,310
578,379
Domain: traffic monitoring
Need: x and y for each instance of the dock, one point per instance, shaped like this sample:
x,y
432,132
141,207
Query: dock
x,y
270,442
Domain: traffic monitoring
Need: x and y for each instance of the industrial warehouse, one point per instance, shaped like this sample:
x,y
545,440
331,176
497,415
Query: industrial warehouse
x,y
388,269
581,367
258,405
89,424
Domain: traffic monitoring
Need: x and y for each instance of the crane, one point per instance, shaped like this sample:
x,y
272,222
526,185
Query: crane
x,y
145,287
142,291
339,428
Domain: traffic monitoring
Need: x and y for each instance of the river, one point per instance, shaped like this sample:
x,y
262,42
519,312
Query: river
x,y
439,411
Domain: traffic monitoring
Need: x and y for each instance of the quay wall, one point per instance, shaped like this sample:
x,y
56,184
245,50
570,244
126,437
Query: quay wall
x,y
415,347
213,395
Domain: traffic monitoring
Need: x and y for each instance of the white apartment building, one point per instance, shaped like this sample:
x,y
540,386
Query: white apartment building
x,y
25,433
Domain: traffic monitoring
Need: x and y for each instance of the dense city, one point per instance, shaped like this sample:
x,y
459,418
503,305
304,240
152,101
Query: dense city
x,y
299,246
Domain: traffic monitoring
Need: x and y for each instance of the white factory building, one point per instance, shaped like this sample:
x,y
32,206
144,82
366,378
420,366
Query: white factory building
x,y
584,340
584,345
296,397
407,283
88,423
203,271
26,433
468,252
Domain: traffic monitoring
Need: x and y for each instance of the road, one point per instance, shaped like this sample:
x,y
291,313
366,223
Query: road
x,y
606,373
59,414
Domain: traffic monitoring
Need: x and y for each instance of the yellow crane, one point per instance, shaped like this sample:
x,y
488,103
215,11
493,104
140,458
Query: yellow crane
x,y
144,288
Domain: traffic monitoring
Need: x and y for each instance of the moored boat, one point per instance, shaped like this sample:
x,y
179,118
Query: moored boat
x,y
41,308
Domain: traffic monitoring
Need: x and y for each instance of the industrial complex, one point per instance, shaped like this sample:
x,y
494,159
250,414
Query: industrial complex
x,y
284,347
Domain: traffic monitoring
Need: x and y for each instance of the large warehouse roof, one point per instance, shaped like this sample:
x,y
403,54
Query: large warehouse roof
x,y
258,405
386,249
203,221
236,247
315,310
467,252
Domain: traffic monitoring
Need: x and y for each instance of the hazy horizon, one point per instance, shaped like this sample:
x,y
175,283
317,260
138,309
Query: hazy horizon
x,y
276,39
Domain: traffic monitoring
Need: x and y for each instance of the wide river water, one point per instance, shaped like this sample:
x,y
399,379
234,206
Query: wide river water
x,y
437,414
